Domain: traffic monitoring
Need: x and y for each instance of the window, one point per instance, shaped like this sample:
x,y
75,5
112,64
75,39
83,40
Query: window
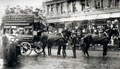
x,y
57,8
52,6
74,6
98,4
62,5
68,7
113,3
83,4
87,3
48,9
117,3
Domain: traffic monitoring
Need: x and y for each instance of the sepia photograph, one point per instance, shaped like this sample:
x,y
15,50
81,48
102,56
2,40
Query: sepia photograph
x,y
59,34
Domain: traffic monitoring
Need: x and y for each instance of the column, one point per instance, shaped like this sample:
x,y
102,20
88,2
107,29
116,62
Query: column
x,y
78,6
105,3
68,7
59,10
71,7
119,4
55,9
65,7
49,9
46,10
92,4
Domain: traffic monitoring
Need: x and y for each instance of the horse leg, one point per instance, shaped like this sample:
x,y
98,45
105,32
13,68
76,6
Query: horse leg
x,y
43,47
48,50
59,49
104,50
86,49
74,51
64,51
83,47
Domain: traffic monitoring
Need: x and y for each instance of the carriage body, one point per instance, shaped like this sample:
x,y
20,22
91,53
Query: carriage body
x,y
23,27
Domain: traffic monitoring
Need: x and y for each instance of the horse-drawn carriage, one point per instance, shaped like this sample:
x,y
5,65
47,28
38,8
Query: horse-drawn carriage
x,y
21,30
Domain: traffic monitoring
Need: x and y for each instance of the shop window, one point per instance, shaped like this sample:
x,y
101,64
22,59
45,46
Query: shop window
x,y
113,3
98,4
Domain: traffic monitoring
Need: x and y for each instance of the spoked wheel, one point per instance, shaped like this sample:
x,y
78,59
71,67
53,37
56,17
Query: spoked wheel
x,y
26,48
38,47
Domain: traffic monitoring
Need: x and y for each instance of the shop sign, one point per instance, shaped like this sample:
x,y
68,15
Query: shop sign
x,y
17,18
6,26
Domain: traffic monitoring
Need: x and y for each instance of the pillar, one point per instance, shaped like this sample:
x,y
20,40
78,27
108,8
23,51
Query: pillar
x,y
78,6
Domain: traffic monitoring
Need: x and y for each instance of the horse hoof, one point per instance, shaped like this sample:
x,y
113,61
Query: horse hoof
x,y
88,56
73,57
104,56
58,55
45,55
64,56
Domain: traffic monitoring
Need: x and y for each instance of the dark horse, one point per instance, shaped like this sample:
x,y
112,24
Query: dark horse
x,y
95,39
50,39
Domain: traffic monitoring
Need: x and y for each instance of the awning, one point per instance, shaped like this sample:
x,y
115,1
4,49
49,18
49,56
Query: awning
x,y
53,21
91,17
103,16
80,18
113,15
14,24
73,19
65,19
86,17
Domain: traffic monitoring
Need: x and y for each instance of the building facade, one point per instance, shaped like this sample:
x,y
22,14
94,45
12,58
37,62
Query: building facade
x,y
64,13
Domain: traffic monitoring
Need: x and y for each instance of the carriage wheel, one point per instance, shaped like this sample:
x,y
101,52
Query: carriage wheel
x,y
26,48
38,47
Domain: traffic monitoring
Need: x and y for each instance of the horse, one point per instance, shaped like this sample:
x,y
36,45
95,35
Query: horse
x,y
95,39
50,39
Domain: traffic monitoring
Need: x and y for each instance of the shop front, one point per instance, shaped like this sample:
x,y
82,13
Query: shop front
x,y
90,21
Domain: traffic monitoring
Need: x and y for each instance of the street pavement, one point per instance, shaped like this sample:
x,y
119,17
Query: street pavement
x,y
95,61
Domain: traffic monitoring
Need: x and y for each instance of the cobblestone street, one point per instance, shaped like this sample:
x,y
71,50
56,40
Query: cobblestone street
x,y
58,62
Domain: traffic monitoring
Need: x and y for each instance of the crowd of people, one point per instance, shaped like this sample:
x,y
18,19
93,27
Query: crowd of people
x,y
20,31
27,10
